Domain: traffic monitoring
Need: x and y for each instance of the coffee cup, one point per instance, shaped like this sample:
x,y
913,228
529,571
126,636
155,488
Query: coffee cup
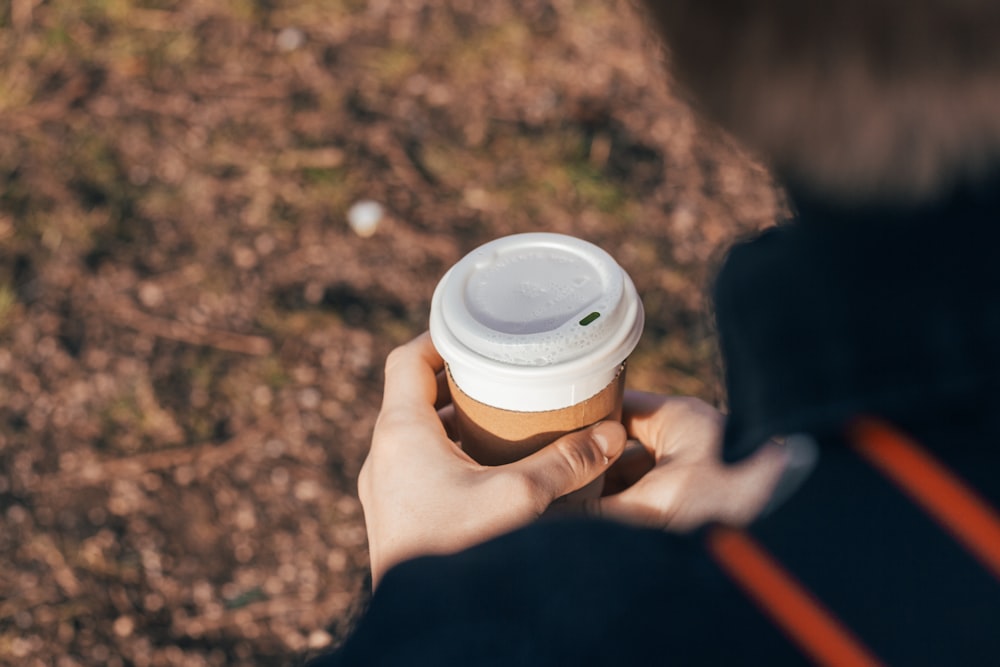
x,y
535,330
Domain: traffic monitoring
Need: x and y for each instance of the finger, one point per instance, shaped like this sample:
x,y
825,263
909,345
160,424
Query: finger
x,y
407,414
449,420
411,377
572,461
634,462
766,479
638,505
672,426
443,396
640,416
801,455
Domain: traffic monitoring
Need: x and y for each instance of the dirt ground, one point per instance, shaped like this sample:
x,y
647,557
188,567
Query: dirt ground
x,y
192,336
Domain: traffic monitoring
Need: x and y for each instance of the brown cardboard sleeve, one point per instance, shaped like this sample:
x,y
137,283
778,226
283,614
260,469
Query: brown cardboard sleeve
x,y
494,436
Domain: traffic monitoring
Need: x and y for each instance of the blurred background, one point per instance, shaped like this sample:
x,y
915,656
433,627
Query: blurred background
x,y
192,331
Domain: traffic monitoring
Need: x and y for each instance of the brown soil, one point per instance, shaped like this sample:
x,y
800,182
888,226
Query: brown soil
x,y
192,337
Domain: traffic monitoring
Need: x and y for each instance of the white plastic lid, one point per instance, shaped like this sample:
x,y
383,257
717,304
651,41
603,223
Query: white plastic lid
x,y
535,322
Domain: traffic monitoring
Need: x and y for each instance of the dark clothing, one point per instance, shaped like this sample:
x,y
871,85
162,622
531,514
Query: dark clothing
x,y
888,552
886,310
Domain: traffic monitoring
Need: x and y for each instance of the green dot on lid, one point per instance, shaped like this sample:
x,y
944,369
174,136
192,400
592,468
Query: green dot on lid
x,y
589,318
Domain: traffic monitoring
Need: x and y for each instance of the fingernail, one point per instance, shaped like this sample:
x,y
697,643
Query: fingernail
x,y
605,440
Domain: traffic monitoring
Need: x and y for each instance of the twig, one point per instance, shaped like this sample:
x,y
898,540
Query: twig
x,y
42,548
206,457
194,334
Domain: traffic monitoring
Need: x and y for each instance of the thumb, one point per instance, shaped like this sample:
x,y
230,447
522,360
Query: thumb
x,y
769,477
574,460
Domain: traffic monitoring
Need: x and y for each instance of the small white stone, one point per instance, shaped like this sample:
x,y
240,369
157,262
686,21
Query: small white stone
x,y
364,217
290,39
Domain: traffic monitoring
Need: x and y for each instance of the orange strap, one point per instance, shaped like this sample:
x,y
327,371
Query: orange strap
x,y
969,518
813,627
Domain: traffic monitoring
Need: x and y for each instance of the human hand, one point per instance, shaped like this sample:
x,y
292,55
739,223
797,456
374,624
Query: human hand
x,y
674,478
422,494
